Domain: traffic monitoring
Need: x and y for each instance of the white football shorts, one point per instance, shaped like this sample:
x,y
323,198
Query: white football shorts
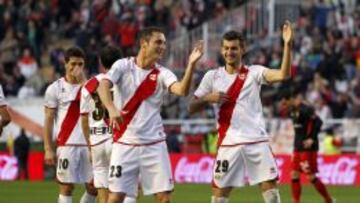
x,y
241,165
148,163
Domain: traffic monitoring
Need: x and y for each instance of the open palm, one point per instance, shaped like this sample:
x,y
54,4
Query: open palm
x,y
197,52
287,32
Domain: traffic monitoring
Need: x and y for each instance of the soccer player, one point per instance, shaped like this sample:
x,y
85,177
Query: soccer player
x,y
307,126
95,127
244,154
62,102
4,113
139,148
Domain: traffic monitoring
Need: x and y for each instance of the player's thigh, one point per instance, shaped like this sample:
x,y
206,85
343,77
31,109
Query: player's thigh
x,y
260,163
308,162
229,168
100,164
124,169
68,158
85,173
155,170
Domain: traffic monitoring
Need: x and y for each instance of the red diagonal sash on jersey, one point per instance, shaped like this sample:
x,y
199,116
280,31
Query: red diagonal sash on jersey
x,y
70,120
227,108
145,90
92,85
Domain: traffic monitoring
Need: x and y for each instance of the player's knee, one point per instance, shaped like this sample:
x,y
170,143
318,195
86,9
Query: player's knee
x,y
295,175
312,178
66,189
163,197
116,197
222,192
90,189
267,185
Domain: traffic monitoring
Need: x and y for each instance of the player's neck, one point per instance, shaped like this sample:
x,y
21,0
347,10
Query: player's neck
x,y
144,62
233,68
71,79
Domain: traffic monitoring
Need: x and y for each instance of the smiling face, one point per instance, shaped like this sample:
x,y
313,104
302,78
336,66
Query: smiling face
x,y
154,46
231,51
232,47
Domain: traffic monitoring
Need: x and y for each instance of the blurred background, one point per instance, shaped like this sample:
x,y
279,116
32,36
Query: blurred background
x,y
325,68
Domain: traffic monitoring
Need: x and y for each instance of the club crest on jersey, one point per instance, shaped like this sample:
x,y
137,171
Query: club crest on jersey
x,y
242,76
152,77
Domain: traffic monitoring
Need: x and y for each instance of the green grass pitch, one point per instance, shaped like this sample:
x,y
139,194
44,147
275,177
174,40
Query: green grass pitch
x,y
46,192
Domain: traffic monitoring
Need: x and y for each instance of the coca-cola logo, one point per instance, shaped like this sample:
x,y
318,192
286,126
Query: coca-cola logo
x,y
8,167
199,171
342,171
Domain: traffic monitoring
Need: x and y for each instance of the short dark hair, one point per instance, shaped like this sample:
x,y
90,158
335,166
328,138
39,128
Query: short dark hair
x,y
108,56
74,52
147,32
234,35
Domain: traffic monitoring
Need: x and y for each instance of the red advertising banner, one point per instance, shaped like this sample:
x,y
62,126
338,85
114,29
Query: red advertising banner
x,y
333,170
197,168
9,167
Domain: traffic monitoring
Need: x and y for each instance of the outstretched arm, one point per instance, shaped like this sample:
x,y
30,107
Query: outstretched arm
x,y
282,74
182,88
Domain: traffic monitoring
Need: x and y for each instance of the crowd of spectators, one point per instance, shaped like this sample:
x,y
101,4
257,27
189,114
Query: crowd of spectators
x,y
34,33
326,61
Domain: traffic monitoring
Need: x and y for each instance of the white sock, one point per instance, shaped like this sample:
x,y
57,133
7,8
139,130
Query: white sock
x,y
87,198
64,199
129,200
272,196
219,199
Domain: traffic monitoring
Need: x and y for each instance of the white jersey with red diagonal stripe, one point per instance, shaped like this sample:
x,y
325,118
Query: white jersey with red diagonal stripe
x,y
91,104
2,97
146,125
60,95
247,123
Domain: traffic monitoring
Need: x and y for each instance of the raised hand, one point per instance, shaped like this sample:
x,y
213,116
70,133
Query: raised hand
x,y
287,32
197,52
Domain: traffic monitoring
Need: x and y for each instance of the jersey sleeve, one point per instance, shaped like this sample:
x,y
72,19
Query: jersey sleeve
x,y
51,100
85,101
168,78
2,97
258,72
116,71
206,84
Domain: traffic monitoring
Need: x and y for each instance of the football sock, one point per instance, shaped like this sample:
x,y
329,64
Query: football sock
x,y
87,198
272,196
295,190
219,199
320,187
129,200
64,199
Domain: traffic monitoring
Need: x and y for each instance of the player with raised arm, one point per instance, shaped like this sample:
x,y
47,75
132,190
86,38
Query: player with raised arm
x,y
94,122
4,113
307,126
244,155
62,103
139,148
